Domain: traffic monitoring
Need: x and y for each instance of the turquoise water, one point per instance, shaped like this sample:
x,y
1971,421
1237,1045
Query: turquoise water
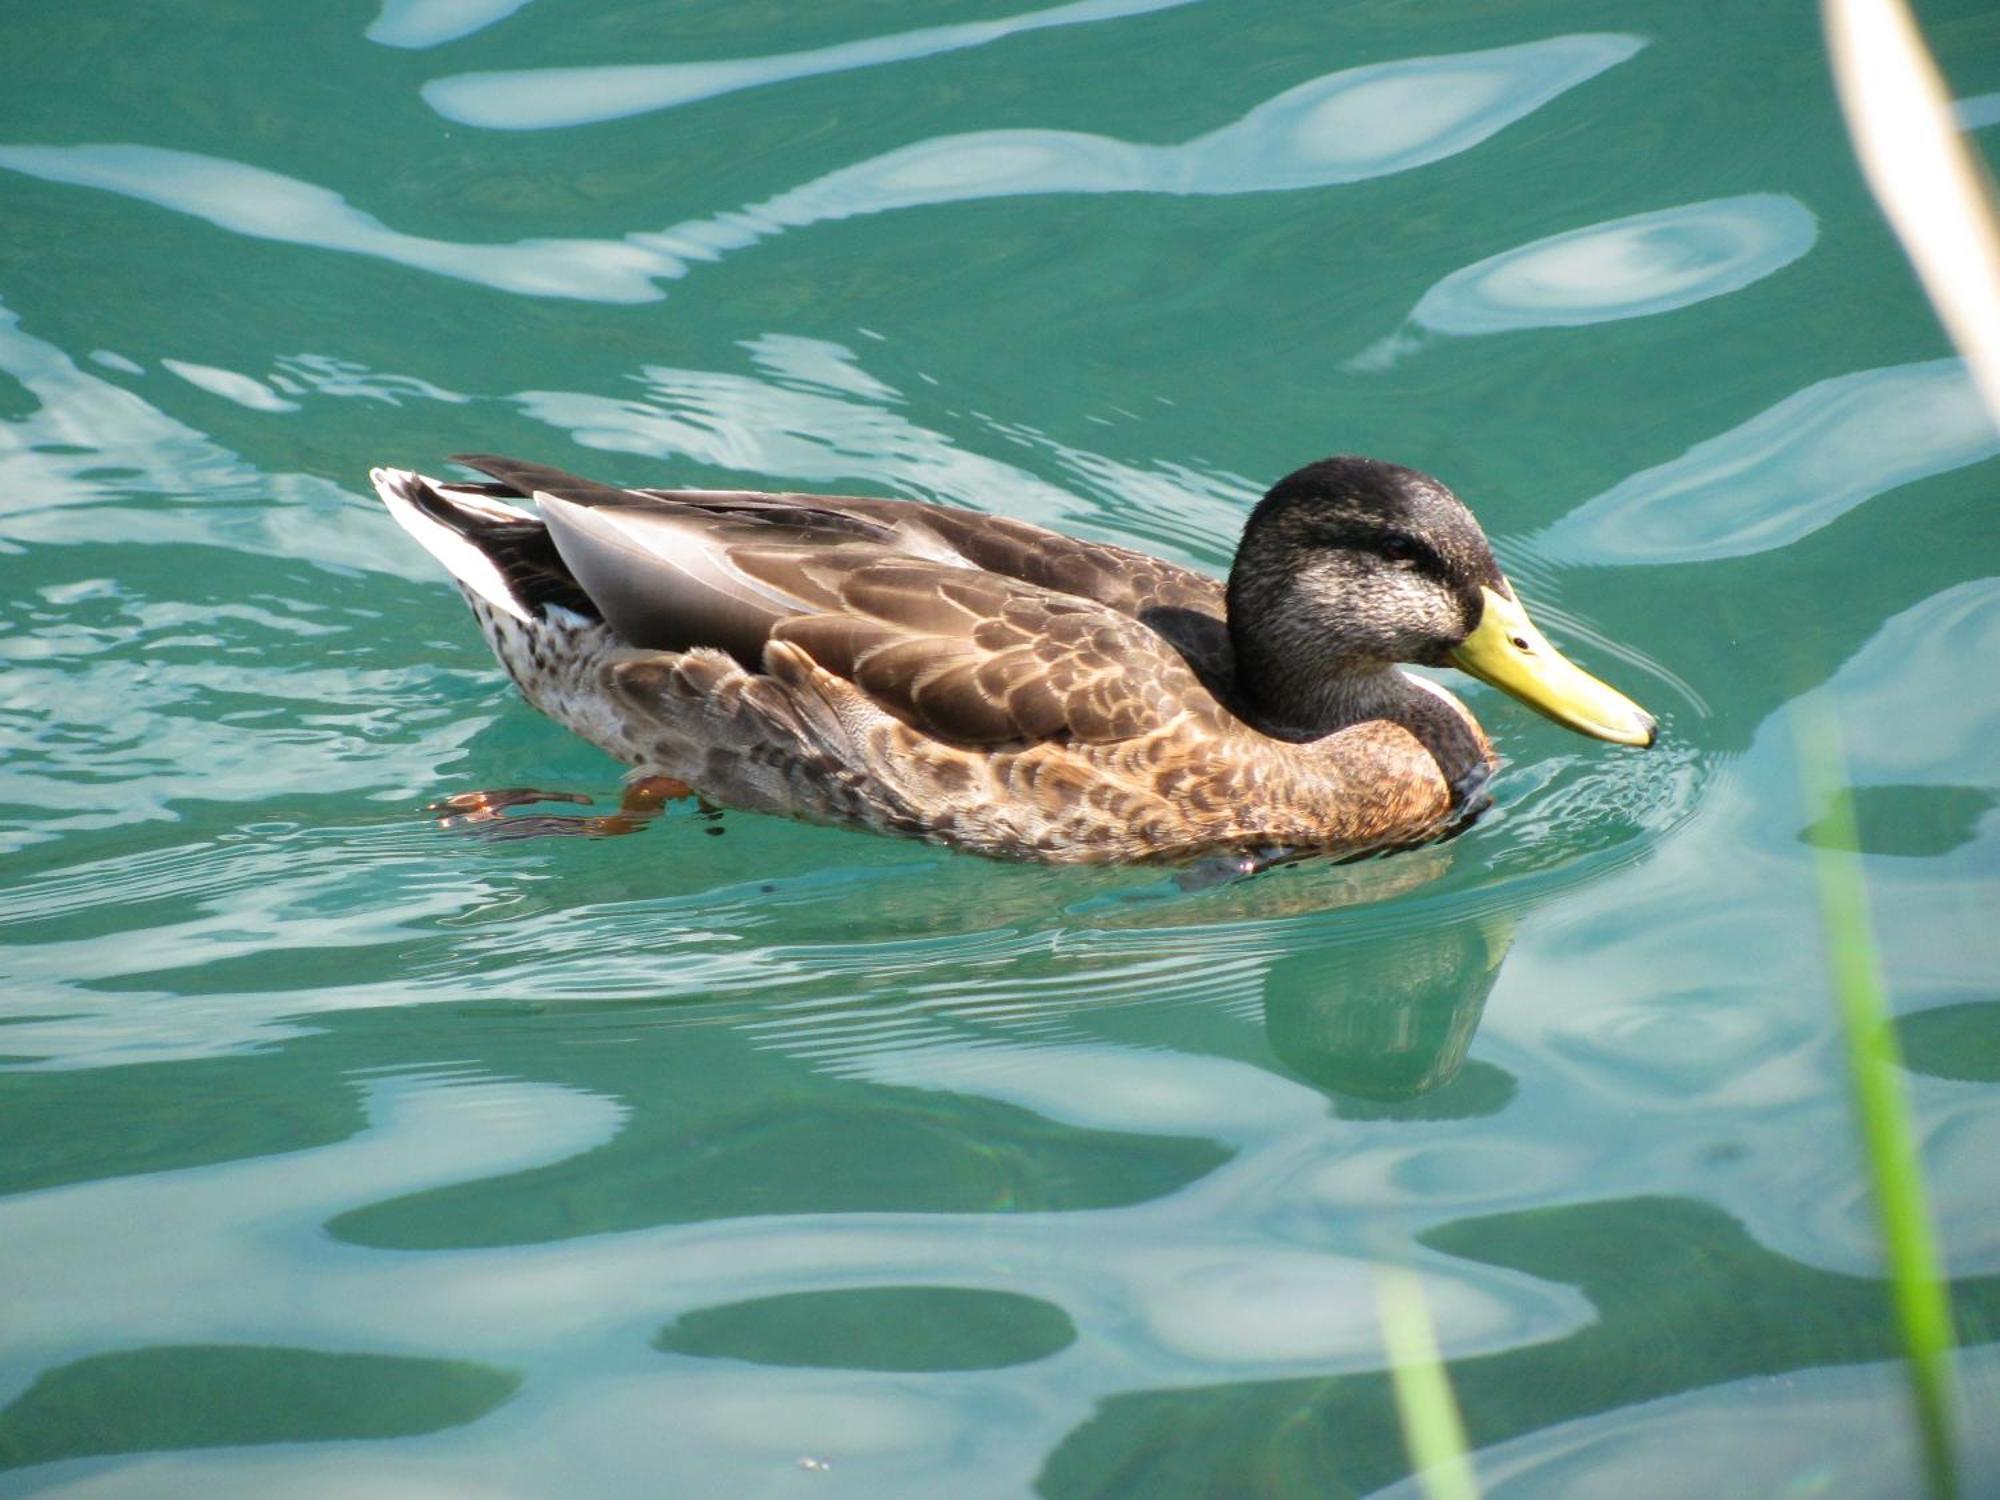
x,y
343,1155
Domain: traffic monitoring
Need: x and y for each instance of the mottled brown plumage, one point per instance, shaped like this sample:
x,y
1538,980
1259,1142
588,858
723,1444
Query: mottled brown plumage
x,y
986,683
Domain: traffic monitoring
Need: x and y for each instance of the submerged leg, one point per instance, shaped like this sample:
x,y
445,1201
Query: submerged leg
x,y
478,807
1221,869
485,812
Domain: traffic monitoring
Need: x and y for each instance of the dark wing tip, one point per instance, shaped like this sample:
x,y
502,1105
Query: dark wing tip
x,y
525,478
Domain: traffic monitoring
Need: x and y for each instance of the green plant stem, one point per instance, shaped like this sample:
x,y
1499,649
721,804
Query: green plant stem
x,y
1922,1300
1433,1431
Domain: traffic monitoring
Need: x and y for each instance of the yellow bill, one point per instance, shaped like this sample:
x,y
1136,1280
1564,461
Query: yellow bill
x,y
1509,652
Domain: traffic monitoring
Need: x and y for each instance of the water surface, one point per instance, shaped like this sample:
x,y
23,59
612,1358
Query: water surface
x,y
339,1154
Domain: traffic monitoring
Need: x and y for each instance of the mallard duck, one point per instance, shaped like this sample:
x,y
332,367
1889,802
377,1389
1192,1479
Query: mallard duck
x,y
991,685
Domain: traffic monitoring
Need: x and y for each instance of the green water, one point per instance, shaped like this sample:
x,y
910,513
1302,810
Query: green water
x,y
341,1155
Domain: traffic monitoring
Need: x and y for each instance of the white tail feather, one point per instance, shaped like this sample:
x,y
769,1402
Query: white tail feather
x,y
461,558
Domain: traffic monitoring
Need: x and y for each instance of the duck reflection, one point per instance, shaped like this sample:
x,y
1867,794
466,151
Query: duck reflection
x,y
1384,1020
1377,1002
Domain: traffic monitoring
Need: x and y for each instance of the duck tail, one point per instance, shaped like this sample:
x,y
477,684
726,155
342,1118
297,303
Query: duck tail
x,y
496,551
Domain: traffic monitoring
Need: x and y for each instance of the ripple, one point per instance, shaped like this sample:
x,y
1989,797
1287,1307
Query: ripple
x,y
1624,268
428,23
915,1328
1330,130
800,430
1182,1288
1675,1042
1109,1089
266,205
1960,1041
1277,1308
1751,1437
1342,127
1726,903
191,1396
228,384
1906,822
1568,808
1980,112
89,443
1787,471
548,98
1900,720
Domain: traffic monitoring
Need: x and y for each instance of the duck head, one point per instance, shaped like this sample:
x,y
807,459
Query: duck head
x,y
1351,565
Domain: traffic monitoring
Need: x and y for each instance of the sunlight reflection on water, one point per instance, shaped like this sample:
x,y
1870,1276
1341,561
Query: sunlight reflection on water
x,y
430,23
1627,268
291,1068
1787,471
547,98
1344,127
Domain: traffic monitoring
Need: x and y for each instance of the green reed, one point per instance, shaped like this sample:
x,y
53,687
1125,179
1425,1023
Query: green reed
x,y
1917,1287
1939,201
1433,1431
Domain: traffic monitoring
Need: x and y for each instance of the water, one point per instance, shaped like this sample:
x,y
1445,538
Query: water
x,y
345,1156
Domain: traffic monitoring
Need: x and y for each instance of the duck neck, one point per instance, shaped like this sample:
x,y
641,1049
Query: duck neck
x,y
1293,695
1275,698
1293,680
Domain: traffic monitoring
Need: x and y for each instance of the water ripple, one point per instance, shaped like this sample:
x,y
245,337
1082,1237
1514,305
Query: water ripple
x,y
1788,471
1343,127
429,23
1624,268
1757,1436
1176,1291
548,98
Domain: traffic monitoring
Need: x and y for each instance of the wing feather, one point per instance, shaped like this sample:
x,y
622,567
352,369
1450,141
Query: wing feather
x,y
975,628
983,659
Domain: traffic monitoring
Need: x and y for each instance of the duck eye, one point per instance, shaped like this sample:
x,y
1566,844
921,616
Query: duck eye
x,y
1397,548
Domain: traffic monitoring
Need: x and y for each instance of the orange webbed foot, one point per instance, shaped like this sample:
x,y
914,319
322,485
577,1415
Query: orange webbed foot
x,y
485,812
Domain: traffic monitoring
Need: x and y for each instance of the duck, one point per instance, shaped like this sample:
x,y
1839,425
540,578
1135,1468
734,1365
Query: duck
x,y
997,687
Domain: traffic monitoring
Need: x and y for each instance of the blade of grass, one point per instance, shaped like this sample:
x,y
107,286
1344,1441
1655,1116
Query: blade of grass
x,y
1933,190
1922,1300
1433,1432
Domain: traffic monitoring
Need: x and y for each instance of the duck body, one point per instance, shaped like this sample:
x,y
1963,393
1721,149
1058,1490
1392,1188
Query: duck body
x,y
978,681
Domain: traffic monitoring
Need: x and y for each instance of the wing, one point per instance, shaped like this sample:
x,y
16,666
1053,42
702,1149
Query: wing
x,y
974,628
1130,582
984,659
966,655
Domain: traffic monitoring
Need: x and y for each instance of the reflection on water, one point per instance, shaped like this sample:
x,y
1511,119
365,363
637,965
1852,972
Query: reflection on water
x,y
1727,900
270,206
1385,1021
227,1395
429,23
1195,1284
229,385
1344,127
1674,1274
1979,112
87,438
1740,1437
544,98
748,1161
877,1328
1627,268
1787,471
